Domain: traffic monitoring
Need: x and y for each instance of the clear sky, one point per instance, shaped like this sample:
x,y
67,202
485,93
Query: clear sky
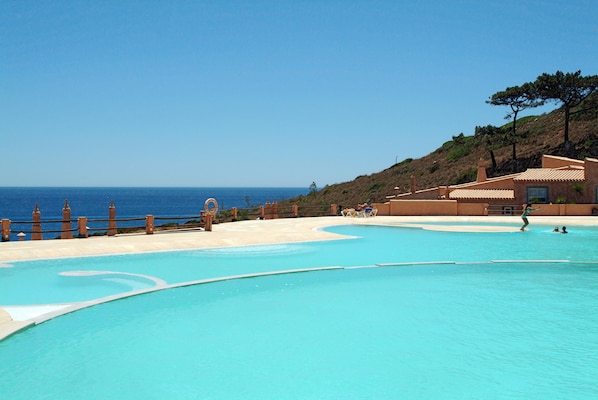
x,y
262,93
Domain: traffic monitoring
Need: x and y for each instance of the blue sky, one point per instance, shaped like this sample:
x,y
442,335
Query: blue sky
x,y
262,93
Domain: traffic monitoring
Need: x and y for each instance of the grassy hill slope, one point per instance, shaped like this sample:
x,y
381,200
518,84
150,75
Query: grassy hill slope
x,y
456,160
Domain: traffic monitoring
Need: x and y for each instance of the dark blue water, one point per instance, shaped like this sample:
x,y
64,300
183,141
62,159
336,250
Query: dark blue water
x,y
17,204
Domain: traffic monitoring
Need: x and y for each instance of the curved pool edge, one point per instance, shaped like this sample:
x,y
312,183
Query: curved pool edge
x,y
14,319
8,326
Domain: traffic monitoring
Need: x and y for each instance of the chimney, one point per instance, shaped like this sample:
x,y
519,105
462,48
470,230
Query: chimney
x,y
481,171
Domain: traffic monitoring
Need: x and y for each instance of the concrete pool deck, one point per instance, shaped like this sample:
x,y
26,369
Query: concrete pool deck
x,y
241,233
253,232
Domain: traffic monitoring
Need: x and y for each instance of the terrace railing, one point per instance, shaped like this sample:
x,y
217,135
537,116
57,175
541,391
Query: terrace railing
x,y
82,227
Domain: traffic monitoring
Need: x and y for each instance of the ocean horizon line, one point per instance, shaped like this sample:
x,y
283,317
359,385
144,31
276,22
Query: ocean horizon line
x,y
18,202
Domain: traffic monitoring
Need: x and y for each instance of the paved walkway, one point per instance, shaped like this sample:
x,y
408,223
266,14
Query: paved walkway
x,y
229,234
243,233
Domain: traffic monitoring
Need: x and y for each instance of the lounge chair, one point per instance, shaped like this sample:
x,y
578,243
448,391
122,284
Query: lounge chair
x,y
349,212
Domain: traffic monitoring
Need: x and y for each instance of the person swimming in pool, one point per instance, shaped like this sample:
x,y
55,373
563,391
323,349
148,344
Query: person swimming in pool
x,y
564,230
527,210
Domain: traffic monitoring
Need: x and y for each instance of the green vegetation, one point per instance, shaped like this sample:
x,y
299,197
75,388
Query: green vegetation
x,y
566,89
578,187
459,147
458,153
375,187
522,120
313,188
517,98
467,176
569,90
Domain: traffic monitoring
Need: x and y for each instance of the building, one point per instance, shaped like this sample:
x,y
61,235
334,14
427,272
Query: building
x,y
565,186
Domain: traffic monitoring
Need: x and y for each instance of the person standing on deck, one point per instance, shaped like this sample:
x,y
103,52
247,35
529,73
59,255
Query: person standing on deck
x,y
527,210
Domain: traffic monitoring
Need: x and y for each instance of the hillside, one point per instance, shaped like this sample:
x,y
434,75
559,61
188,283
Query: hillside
x,y
456,160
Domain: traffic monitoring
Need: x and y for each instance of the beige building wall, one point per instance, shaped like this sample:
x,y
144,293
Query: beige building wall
x,y
591,176
423,207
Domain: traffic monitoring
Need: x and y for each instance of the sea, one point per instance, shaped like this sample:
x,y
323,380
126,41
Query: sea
x,y
18,203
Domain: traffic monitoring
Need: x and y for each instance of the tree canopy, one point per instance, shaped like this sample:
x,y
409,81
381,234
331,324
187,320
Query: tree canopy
x,y
518,98
569,89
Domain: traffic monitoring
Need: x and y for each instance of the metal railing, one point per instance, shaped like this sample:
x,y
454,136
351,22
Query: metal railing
x,y
95,227
82,227
504,209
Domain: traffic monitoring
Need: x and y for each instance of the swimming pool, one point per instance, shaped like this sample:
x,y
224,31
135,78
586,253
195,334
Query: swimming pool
x,y
52,281
463,328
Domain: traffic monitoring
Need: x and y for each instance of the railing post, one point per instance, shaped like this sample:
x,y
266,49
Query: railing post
x,y
268,210
207,218
66,222
149,224
333,209
275,210
82,227
262,212
111,219
5,230
234,210
36,229
295,210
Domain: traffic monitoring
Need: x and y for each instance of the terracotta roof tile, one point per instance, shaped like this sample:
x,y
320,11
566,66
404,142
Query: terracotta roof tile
x,y
502,194
551,174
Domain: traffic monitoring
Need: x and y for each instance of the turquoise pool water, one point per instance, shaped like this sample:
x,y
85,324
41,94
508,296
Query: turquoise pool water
x,y
464,330
40,282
